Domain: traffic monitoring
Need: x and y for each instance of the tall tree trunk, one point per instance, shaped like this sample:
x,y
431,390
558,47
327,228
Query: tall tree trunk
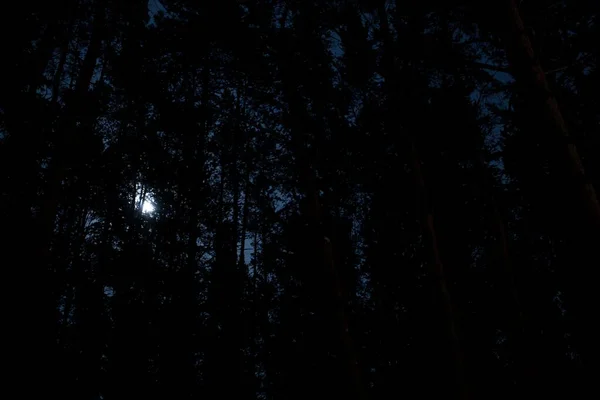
x,y
528,72
44,227
64,50
246,206
529,75
195,153
308,180
93,51
54,33
315,218
56,171
236,197
43,54
498,227
424,205
245,210
437,267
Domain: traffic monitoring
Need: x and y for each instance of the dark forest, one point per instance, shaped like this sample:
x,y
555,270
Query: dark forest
x,y
300,199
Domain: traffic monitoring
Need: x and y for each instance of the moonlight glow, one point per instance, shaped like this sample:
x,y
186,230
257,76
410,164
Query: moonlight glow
x,y
147,207
146,203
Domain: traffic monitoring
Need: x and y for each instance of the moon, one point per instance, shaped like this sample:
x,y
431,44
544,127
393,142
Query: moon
x,y
147,207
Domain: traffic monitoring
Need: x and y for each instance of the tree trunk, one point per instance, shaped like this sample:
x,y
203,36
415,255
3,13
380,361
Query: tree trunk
x,y
64,52
246,207
56,171
59,70
236,198
45,223
529,74
43,54
437,267
315,218
582,199
93,52
427,219
194,151
308,180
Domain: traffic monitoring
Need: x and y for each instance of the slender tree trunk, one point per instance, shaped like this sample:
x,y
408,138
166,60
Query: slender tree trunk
x,y
236,199
315,217
221,208
424,204
498,227
59,70
255,263
53,34
308,180
528,72
428,227
64,52
51,202
66,315
196,160
43,54
519,331
246,207
45,223
93,51
529,75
